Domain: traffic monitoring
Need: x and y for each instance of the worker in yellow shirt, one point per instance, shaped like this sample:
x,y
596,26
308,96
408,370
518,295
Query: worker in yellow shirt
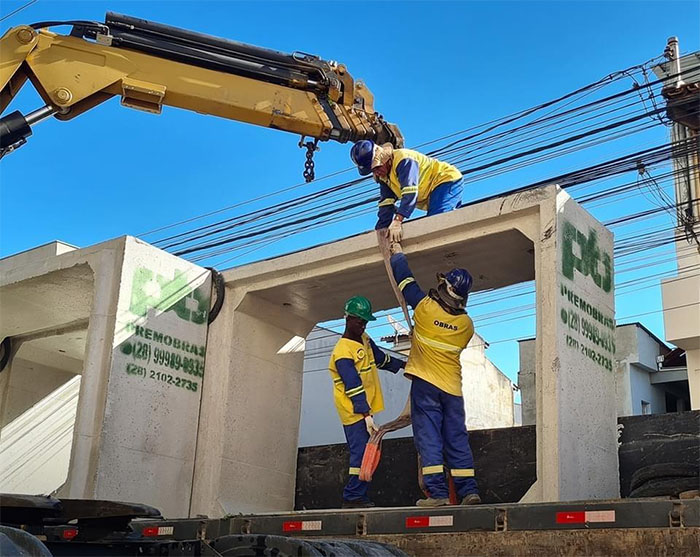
x,y
357,392
407,176
442,329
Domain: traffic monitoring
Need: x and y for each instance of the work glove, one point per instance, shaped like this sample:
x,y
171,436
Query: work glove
x,y
370,425
395,231
394,248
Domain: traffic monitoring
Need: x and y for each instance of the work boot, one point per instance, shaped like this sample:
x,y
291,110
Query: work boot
x,y
471,499
357,504
432,502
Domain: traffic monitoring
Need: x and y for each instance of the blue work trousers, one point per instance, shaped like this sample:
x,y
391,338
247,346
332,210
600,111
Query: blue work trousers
x,y
357,438
446,197
440,435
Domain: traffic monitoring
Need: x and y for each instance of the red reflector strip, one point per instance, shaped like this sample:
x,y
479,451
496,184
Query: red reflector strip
x,y
429,521
150,531
577,517
417,521
69,534
301,525
581,517
153,531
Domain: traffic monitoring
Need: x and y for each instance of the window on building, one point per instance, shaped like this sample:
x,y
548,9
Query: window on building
x,y
646,407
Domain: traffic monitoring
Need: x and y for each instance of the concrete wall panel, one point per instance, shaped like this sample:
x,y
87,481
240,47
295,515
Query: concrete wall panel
x,y
155,380
246,454
516,238
586,355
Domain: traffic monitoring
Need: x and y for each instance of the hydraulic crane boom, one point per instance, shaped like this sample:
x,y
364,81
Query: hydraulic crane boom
x,y
150,65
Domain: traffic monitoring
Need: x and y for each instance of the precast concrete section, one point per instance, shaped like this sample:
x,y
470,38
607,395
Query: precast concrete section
x,y
155,424
134,318
247,444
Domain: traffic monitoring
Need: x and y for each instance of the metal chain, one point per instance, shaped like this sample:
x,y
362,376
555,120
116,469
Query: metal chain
x,y
311,147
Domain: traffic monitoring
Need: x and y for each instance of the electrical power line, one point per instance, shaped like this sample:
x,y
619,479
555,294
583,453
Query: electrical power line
x,y
3,18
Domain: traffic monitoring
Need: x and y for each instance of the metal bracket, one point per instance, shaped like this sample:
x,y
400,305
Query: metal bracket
x,y
501,522
246,527
142,95
104,39
361,526
675,515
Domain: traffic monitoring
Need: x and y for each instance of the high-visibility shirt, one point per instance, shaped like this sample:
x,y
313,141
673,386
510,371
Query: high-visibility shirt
x,y
438,340
368,386
415,173
438,336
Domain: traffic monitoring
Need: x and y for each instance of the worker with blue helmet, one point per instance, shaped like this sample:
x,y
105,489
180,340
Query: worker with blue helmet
x,y
357,392
409,177
442,330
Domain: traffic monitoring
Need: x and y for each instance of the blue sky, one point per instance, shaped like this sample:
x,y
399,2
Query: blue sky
x,y
434,68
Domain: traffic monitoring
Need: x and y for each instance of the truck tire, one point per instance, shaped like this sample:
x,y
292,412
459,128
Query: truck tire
x,y
18,543
658,471
671,487
252,545
374,549
281,546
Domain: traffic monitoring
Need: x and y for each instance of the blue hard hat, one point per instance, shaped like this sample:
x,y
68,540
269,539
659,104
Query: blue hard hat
x,y
460,280
361,154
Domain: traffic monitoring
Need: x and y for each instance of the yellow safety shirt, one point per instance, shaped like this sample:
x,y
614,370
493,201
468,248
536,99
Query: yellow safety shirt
x,y
363,358
438,340
431,173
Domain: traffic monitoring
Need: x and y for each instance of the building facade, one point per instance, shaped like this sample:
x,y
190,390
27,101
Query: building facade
x,y
650,378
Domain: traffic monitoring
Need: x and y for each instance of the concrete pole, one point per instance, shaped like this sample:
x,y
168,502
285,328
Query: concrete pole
x,y
681,294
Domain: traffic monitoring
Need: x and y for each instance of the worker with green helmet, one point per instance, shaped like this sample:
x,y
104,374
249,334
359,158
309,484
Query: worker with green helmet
x,y
357,392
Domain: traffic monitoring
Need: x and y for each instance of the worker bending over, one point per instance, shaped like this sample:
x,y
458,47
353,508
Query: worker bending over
x,y
414,179
442,329
357,392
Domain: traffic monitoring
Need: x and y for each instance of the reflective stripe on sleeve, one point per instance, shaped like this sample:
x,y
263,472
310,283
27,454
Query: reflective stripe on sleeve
x,y
436,344
353,471
405,282
356,391
437,469
388,202
409,190
462,472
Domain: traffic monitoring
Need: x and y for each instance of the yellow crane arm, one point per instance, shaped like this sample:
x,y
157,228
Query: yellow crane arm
x,y
150,65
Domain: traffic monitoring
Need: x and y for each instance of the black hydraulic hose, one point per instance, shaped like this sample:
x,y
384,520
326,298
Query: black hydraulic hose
x,y
207,58
211,52
220,290
198,49
79,22
141,26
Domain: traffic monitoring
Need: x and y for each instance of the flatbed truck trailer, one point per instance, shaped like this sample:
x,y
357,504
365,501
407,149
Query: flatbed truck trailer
x,y
629,527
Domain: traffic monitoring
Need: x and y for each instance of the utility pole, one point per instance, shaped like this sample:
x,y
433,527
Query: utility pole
x,y
681,294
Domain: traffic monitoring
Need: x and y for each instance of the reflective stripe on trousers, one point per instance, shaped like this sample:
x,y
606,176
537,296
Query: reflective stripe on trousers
x,y
440,435
357,438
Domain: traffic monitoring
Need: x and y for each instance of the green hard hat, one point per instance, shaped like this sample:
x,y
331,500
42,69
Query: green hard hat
x,y
359,306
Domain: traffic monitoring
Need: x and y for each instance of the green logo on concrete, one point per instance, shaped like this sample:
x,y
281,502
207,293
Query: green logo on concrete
x,y
591,257
150,290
